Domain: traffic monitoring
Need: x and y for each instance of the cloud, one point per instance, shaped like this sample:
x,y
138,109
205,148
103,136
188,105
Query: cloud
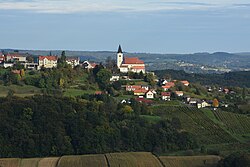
x,y
76,6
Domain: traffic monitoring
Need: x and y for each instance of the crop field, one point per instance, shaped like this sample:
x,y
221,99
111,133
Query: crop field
x,y
48,162
133,159
235,123
10,162
190,161
82,161
29,162
197,123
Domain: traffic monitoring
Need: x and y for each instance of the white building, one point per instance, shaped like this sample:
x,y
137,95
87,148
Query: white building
x,y
73,61
149,95
47,61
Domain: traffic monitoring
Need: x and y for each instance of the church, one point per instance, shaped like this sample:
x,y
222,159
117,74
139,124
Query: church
x,y
126,64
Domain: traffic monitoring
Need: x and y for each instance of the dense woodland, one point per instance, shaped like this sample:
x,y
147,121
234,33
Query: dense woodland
x,y
42,126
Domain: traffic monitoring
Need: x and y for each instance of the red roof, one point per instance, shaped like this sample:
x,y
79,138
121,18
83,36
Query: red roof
x,y
138,67
14,55
141,90
54,58
185,82
144,100
166,87
132,60
165,93
133,86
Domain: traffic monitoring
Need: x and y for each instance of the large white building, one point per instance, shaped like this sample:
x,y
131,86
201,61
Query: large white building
x,y
126,64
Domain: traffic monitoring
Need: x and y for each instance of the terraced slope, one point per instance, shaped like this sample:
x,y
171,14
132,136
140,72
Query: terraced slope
x,y
83,161
133,159
194,121
10,162
190,161
235,123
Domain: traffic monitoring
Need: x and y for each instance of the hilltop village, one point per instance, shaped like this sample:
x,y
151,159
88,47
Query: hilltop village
x,y
127,73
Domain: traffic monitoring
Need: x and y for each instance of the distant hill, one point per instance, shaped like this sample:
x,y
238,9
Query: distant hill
x,y
238,61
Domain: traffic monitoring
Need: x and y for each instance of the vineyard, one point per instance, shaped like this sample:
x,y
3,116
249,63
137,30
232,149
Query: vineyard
x,y
190,161
235,123
194,121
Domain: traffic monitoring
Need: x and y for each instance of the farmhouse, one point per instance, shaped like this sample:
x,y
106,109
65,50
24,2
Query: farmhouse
x,y
126,64
165,96
149,94
73,61
47,61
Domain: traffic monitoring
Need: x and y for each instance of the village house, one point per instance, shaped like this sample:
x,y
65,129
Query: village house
x,y
2,57
202,104
73,61
140,92
88,65
168,85
166,96
185,83
115,78
126,64
15,57
149,94
47,62
131,88
179,93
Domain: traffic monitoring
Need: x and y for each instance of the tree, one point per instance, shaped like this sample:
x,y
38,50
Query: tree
x,y
150,79
103,78
61,63
215,103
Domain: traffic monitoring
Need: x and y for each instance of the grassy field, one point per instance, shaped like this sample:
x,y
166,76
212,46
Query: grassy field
x,y
190,161
21,91
133,159
151,119
83,160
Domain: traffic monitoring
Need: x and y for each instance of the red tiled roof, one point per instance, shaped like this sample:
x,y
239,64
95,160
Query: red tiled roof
x,y
165,93
133,86
54,58
14,55
143,100
166,87
132,60
138,67
141,90
185,82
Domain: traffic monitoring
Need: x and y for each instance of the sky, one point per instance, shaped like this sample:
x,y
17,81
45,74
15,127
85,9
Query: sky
x,y
148,26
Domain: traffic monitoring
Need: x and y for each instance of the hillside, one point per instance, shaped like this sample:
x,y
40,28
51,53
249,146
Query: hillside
x,y
131,159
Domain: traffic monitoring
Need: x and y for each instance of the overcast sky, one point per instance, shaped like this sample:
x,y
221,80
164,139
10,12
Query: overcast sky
x,y
155,26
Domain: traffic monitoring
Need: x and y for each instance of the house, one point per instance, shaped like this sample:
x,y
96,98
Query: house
x,y
165,96
168,85
2,57
185,83
179,93
47,62
73,61
146,87
130,88
115,78
16,57
202,104
149,94
226,90
88,65
193,101
163,82
126,64
140,92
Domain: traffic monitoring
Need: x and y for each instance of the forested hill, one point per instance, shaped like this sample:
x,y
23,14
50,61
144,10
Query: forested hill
x,y
241,78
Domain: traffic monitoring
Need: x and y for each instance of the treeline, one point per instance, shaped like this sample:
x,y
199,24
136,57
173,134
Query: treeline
x,y
239,79
42,126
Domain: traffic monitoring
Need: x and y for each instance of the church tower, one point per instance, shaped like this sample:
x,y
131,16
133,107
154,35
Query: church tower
x,y
119,58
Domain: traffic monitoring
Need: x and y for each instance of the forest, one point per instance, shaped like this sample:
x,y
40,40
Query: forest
x,y
42,126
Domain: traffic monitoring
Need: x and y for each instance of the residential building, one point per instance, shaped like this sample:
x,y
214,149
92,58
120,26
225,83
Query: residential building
x,y
149,94
126,64
115,78
140,92
179,93
166,96
15,57
185,83
73,61
132,87
88,65
2,57
47,62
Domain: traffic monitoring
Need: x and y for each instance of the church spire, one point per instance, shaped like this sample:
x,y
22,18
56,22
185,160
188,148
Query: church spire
x,y
119,49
